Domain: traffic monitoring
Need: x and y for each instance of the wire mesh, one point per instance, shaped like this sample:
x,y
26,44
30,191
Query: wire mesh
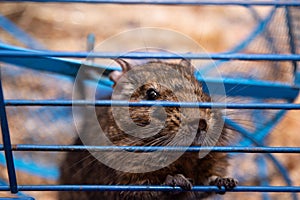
x,y
270,44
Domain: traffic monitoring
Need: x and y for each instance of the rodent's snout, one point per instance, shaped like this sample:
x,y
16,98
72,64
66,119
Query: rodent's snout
x,y
143,116
140,116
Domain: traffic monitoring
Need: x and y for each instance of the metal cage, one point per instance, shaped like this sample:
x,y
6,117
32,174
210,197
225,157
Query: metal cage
x,y
261,95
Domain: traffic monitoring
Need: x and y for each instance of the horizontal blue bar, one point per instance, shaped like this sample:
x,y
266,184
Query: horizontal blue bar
x,y
275,106
30,166
76,148
146,55
175,2
252,88
151,188
56,65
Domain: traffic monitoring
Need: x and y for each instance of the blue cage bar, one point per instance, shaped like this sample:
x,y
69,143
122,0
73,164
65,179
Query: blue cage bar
x,y
45,60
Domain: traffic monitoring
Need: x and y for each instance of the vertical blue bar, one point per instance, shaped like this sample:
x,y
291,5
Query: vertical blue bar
x,y
7,143
90,42
291,35
263,174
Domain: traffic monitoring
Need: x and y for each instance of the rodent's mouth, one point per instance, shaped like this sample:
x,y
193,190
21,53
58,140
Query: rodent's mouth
x,y
199,138
201,133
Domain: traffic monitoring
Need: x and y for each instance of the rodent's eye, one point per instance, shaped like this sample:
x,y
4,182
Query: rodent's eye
x,y
152,94
202,125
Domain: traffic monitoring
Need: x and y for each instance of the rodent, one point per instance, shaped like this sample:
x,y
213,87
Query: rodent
x,y
188,170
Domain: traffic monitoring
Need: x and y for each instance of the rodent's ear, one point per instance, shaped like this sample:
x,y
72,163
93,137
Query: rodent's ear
x,y
124,64
185,62
116,75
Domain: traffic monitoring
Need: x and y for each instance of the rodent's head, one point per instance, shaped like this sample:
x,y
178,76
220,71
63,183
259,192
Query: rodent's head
x,y
161,81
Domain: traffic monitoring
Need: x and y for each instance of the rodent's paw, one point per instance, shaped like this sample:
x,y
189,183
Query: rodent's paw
x,y
179,180
228,183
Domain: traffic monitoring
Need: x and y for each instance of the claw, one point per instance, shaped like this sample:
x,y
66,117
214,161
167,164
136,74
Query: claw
x,y
179,180
228,183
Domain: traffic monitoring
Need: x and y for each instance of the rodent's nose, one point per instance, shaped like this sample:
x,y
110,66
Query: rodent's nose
x,y
201,126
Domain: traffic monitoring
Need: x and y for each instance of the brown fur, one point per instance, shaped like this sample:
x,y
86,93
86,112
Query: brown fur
x,y
82,168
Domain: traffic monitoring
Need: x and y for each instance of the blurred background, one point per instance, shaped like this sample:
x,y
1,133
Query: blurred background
x,y
65,27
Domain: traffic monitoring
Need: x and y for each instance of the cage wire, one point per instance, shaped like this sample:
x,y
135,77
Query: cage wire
x,y
275,38
276,32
